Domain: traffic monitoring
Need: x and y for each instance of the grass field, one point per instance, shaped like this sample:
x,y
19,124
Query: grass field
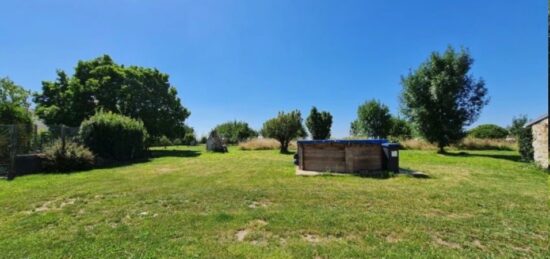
x,y
189,203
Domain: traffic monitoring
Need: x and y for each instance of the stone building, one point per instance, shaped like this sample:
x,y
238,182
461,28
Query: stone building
x,y
539,128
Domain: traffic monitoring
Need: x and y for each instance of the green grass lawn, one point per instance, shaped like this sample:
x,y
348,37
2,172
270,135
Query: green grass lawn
x,y
190,203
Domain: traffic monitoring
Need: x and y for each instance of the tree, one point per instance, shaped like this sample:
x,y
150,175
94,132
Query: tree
x,y
525,144
235,131
488,131
284,128
400,128
319,123
373,120
14,105
517,125
137,92
441,98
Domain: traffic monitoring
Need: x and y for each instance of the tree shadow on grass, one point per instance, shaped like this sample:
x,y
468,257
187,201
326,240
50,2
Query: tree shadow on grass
x,y
174,153
514,158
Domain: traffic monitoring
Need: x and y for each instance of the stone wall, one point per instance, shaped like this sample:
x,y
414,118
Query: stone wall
x,y
540,142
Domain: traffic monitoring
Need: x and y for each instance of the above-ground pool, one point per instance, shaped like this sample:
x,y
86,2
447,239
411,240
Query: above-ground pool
x,y
348,156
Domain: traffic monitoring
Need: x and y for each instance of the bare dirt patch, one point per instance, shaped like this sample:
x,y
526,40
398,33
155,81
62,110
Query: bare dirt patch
x,y
393,238
442,242
259,204
253,227
56,204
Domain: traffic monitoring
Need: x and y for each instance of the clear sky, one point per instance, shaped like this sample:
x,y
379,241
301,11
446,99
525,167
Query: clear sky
x,y
247,60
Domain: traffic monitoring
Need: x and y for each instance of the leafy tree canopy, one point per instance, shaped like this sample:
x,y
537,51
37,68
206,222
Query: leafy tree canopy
x,y
284,128
14,105
319,124
400,129
517,125
137,92
488,131
235,131
373,120
441,98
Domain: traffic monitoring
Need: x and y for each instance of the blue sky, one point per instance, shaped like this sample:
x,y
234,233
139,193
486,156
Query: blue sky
x,y
247,60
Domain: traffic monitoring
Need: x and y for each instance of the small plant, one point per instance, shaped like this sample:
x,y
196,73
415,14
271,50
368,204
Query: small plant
x,y
68,156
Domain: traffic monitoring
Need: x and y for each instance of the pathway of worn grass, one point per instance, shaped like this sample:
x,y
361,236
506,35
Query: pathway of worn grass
x,y
249,203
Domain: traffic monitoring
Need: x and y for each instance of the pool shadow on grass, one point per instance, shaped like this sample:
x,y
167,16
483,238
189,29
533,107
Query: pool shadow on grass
x,y
514,158
174,153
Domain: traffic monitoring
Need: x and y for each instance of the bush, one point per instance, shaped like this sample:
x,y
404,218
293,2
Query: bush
x,y
72,157
189,139
164,142
525,144
233,132
486,131
400,129
203,140
114,136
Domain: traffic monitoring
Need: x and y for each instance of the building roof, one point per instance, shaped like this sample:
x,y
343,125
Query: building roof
x,y
537,120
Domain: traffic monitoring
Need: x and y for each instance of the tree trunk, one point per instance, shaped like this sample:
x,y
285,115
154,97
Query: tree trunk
x,y
441,150
284,147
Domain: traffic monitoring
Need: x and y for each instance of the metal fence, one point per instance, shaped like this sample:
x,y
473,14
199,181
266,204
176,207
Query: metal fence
x,y
21,139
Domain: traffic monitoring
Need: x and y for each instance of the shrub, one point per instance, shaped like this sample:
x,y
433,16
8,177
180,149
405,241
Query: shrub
x,y
164,142
114,136
525,144
486,131
70,157
233,132
177,142
189,139
400,129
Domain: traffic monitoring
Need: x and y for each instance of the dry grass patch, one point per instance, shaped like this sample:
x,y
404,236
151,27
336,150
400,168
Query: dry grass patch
x,y
468,143
263,144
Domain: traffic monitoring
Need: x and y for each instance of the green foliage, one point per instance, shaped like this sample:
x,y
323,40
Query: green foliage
x,y
233,132
164,142
441,98
319,124
203,140
68,156
373,120
400,129
488,131
189,139
14,107
284,128
137,92
517,125
114,136
525,144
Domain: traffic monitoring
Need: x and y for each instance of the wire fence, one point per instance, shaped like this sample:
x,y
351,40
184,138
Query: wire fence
x,y
24,139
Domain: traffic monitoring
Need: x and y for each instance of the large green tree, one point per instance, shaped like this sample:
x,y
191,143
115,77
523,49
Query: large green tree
x,y
137,92
373,120
441,97
319,124
235,131
284,128
14,105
